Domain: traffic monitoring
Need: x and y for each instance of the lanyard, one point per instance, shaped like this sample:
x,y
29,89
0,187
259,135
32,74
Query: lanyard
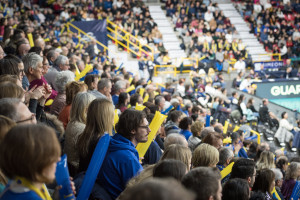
x,y
43,193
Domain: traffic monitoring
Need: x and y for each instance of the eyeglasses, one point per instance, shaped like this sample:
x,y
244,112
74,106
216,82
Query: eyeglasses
x,y
145,127
22,71
31,118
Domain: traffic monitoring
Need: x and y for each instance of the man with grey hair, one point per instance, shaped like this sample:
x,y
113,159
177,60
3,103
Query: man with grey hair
x,y
51,56
16,110
225,156
119,87
160,102
39,42
60,64
33,68
61,80
278,181
175,138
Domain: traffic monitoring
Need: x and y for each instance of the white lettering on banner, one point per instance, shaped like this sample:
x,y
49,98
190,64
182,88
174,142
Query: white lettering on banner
x,y
285,90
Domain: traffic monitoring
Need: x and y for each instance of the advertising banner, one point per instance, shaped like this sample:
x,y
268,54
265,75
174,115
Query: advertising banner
x,y
278,89
95,29
272,65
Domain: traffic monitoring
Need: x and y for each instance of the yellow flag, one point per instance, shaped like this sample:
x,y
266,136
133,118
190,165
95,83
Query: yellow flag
x,y
227,170
139,107
84,72
29,35
146,98
130,88
225,127
142,90
154,126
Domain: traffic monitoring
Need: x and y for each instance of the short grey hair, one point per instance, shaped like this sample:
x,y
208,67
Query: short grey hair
x,y
278,174
119,85
51,54
206,131
61,80
224,154
31,60
8,108
103,83
60,60
175,138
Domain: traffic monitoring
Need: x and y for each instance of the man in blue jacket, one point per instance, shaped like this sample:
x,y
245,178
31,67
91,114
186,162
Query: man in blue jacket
x,y
122,159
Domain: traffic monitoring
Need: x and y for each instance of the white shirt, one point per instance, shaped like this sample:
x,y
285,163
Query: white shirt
x,y
208,16
240,66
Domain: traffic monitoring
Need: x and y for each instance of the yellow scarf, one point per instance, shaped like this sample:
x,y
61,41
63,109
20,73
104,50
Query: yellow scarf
x,y
43,193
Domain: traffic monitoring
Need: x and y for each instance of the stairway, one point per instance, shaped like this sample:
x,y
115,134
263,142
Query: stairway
x,y
252,45
170,40
123,58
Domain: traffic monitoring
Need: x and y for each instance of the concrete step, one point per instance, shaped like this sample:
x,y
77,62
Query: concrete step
x,y
171,45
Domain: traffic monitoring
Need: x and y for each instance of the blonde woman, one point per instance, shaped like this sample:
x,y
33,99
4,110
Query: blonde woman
x,y
75,128
100,119
265,161
173,151
205,155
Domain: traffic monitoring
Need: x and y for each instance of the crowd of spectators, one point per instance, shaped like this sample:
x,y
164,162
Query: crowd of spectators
x,y
45,111
275,24
205,31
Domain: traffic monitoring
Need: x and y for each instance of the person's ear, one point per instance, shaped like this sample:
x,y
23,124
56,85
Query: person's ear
x,y
133,132
211,198
227,161
30,70
249,179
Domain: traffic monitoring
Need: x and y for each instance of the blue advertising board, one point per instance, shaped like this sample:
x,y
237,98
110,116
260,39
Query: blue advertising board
x,y
268,65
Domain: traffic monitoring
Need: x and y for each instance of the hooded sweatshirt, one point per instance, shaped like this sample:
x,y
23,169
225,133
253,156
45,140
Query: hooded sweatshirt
x,y
120,165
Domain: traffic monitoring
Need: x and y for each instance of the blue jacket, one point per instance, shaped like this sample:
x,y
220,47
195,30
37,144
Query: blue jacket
x,y
186,134
9,195
115,99
119,166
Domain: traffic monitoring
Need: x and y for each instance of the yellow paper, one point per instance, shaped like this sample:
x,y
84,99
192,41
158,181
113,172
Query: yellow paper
x,y
227,140
130,88
276,194
156,93
236,128
139,107
29,35
146,98
227,170
154,126
84,72
258,136
130,80
142,90
225,127
49,102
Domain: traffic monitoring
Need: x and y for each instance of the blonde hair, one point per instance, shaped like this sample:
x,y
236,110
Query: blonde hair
x,y
265,161
178,152
292,171
196,128
100,119
205,155
79,107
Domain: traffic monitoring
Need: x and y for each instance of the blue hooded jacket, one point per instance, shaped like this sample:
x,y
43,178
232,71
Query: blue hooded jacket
x,y
120,165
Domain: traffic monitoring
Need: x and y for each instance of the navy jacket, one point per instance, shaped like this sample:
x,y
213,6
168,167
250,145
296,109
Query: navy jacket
x,y
120,165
